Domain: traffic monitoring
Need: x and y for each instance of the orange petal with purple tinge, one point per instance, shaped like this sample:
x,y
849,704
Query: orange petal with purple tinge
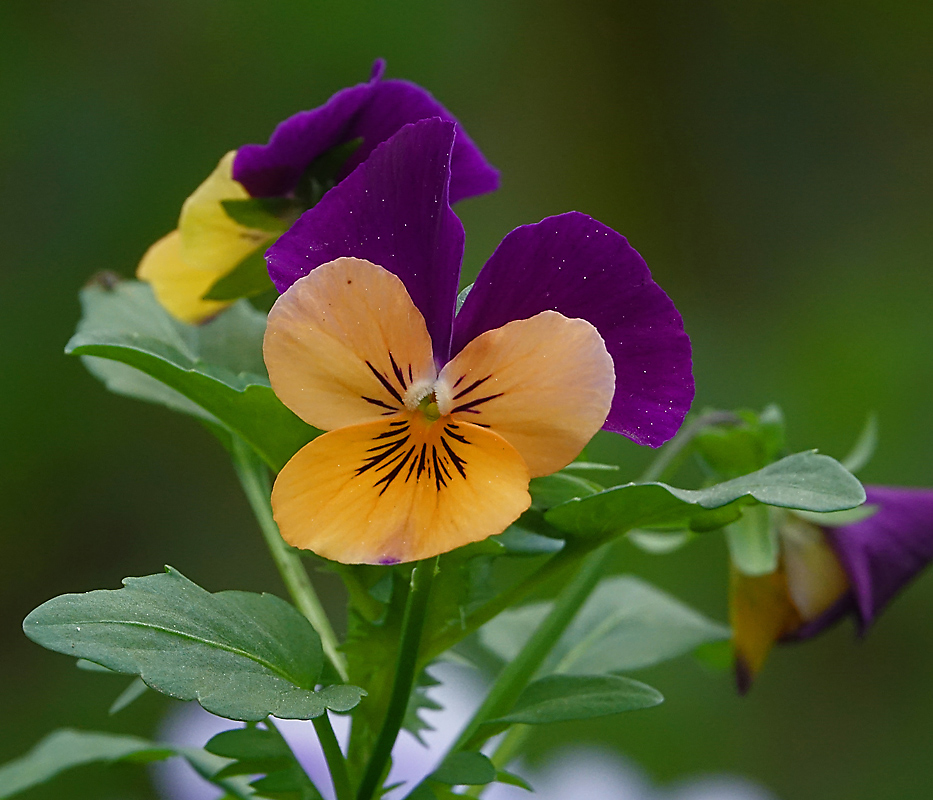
x,y
399,489
544,384
346,345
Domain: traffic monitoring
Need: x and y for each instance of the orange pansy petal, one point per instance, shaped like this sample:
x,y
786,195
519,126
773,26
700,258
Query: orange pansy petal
x,y
210,239
544,384
400,489
761,612
345,345
177,287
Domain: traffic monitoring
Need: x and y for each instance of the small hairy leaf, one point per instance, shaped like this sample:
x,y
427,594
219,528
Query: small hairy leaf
x,y
241,655
560,698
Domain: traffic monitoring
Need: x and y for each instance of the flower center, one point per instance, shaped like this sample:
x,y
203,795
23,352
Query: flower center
x,y
428,407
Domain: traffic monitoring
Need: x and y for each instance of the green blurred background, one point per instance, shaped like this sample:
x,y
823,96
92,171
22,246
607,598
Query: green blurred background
x,y
771,160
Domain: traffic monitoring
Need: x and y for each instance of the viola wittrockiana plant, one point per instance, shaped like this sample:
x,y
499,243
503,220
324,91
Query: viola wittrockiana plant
x,y
424,440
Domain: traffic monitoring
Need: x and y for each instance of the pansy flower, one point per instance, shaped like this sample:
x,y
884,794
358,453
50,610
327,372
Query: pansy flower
x,y
305,156
827,573
436,421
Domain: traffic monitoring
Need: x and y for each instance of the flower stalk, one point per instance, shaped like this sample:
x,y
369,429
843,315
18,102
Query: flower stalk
x,y
406,670
254,479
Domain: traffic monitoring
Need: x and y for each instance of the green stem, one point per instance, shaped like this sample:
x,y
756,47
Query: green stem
x,y
558,565
406,670
516,675
254,479
336,762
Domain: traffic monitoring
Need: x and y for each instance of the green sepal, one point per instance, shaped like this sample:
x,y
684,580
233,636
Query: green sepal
x,y
272,214
753,542
748,444
249,278
864,447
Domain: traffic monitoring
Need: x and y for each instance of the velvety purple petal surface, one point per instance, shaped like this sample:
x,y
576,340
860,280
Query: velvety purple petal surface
x,y
581,268
393,210
883,553
374,111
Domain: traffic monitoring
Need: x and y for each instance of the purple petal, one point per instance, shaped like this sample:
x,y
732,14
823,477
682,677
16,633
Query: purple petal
x,y
581,268
374,111
883,553
393,211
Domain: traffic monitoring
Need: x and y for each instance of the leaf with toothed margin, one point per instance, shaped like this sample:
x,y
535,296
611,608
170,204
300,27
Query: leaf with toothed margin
x,y
241,655
213,371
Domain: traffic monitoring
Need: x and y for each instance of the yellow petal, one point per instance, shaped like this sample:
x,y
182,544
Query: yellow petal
x,y
177,287
400,489
815,578
544,384
345,345
210,239
761,612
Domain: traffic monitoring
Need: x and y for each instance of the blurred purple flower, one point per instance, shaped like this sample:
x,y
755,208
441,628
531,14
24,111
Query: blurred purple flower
x,y
828,573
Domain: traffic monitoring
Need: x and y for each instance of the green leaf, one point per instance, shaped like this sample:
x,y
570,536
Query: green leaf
x,y
512,779
272,214
130,694
552,490
864,447
560,698
748,444
465,769
625,624
262,751
590,466
753,542
660,542
835,519
241,655
67,748
461,298
213,371
519,541
247,279
807,481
